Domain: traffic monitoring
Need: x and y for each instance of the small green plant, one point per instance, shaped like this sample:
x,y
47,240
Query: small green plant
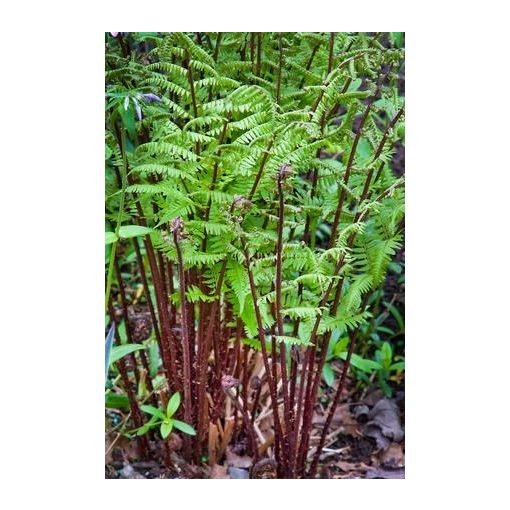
x,y
384,358
165,420
382,366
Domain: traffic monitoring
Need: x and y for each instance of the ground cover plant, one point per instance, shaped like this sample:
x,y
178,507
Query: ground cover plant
x,y
254,229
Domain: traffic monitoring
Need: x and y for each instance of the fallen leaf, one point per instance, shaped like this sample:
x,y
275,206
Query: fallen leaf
x,y
219,472
266,424
361,413
373,397
392,456
351,466
384,423
351,427
343,422
341,412
386,473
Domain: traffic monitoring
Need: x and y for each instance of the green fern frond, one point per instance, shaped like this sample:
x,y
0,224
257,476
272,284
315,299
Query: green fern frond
x,y
194,295
160,169
302,312
292,340
167,149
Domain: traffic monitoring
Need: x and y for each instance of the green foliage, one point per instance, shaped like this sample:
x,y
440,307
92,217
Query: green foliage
x,y
383,365
209,121
119,351
165,419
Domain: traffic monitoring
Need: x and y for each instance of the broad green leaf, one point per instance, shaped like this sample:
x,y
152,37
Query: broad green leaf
x,y
153,358
109,237
386,355
367,365
398,366
328,374
143,430
166,428
388,392
173,404
395,267
119,351
341,346
128,231
122,333
128,119
384,329
151,423
184,427
154,411
116,401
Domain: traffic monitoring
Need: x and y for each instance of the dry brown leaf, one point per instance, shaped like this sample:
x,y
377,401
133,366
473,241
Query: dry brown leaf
x,y
110,440
347,467
353,475
266,424
219,472
351,427
351,469
341,412
386,473
373,397
266,444
384,423
118,442
343,422
393,456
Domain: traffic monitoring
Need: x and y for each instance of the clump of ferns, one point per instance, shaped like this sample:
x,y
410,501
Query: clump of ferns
x,y
261,172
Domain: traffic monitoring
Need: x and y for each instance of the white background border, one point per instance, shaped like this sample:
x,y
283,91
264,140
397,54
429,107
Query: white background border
x,y
457,278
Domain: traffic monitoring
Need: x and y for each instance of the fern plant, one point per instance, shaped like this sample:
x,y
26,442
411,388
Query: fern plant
x,y
256,167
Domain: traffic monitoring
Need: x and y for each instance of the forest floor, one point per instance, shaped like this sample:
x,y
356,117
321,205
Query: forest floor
x,y
366,441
